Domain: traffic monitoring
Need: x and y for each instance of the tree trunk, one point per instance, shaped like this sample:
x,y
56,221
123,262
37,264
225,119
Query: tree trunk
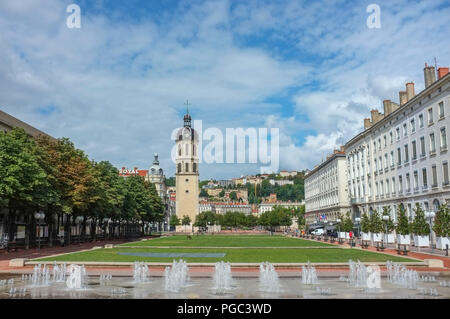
x,y
50,223
28,226
11,224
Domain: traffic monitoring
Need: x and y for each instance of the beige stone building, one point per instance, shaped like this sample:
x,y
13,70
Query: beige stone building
x,y
401,158
8,122
187,172
326,192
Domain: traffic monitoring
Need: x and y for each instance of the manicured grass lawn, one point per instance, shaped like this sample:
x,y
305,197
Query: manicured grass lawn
x,y
228,241
233,255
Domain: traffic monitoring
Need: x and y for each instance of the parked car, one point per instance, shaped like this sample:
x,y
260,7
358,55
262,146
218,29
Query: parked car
x,y
318,232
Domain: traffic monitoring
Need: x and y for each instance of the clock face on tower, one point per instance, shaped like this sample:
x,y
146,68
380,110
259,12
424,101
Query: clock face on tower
x,y
186,132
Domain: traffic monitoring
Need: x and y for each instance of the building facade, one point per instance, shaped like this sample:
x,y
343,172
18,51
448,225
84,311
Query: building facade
x,y
402,158
186,172
156,176
326,192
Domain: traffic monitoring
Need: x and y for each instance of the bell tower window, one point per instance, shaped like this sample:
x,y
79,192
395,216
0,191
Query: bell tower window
x,y
187,167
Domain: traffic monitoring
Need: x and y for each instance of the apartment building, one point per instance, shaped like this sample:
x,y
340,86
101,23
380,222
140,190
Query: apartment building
x,y
326,192
401,157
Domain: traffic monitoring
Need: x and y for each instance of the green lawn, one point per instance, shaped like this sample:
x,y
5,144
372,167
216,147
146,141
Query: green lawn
x,y
228,241
233,255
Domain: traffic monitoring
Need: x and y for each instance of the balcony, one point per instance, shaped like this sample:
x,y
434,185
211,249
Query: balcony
x,y
444,148
434,186
433,153
416,190
424,188
445,184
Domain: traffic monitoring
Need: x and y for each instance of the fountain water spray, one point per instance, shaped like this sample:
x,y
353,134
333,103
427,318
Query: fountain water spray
x,y
400,275
176,276
268,278
309,275
357,274
140,272
222,277
77,277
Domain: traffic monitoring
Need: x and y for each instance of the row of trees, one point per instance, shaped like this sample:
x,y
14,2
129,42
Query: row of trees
x,y
53,177
419,226
278,216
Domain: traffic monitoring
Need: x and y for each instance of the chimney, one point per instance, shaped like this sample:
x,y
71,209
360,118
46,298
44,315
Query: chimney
x,y
442,72
403,98
430,75
367,123
410,90
387,107
376,116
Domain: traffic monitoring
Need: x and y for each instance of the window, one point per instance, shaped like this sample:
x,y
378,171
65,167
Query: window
x,y
413,126
376,189
391,137
393,185
422,146
381,188
432,144
385,141
445,171
374,146
414,150
386,162
397,133
400,184
408,183
194,167
375,166
420,120
380,163
424,177
434,172
387,187
399,156
416,180
406,154
179,150
441,110
187,167
430,116
443,139
187,149
405,130
179,168
379,144
392,158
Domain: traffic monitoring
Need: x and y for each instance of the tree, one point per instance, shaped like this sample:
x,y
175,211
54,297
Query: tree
x,y
376,225
174,221
233,196
420,226
403,226
222,193
442,221
205,218
203,193
23,182
186,220
365,223
347,224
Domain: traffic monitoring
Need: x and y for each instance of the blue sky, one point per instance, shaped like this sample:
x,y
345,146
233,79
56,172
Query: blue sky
x,y
116,86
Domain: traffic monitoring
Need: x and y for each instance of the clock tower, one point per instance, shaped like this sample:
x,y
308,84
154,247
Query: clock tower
x,y
186,172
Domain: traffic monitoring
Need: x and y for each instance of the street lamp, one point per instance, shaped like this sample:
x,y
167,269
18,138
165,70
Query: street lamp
x,y
430,215
38,216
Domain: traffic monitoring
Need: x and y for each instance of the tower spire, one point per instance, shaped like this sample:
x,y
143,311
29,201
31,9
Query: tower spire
x,y
187,117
